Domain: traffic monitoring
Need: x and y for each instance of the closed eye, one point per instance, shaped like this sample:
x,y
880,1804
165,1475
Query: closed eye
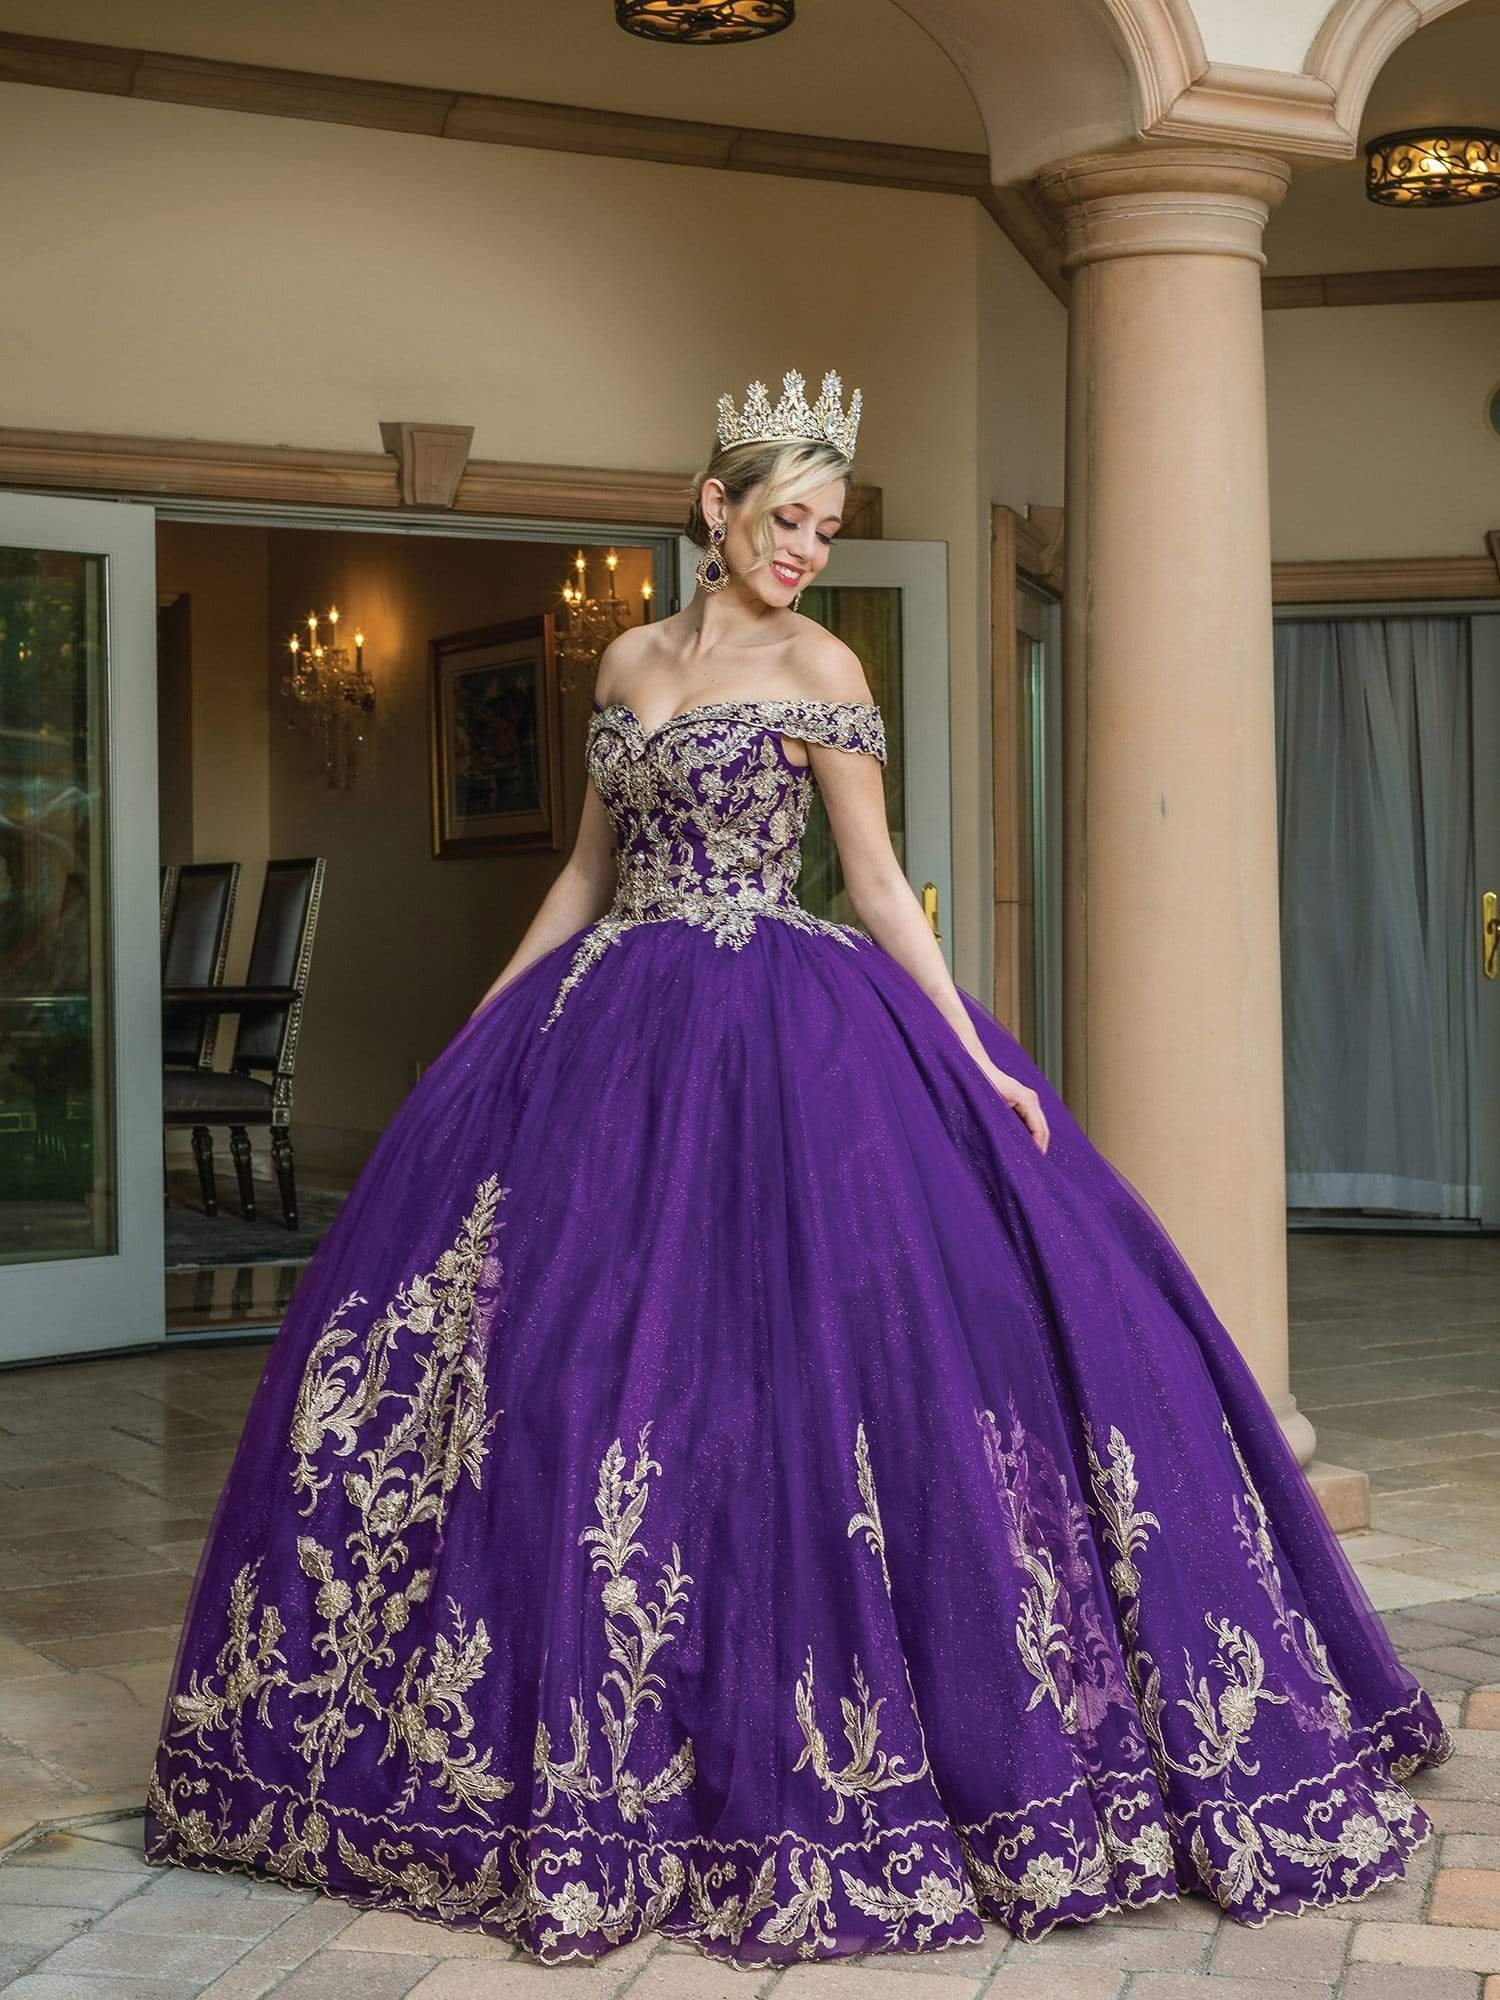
x,y
782,522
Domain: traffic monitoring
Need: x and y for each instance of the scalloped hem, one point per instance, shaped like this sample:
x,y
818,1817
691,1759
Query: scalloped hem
x,y
1107,1845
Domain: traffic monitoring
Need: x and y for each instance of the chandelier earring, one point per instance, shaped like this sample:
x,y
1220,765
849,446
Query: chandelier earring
x,y
713,571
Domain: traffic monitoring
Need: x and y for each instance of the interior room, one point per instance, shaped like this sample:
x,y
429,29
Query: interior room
x,y
412,920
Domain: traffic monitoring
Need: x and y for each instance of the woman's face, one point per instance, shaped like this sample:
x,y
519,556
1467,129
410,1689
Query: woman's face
x,y
804,530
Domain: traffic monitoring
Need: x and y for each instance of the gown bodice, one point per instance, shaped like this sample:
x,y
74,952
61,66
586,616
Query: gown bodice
x,y
708,814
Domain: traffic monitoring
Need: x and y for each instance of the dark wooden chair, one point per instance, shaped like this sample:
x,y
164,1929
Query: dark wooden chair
x,y
256,1089
197,917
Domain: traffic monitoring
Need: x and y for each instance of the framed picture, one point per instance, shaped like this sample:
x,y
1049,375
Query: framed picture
x,y
496,757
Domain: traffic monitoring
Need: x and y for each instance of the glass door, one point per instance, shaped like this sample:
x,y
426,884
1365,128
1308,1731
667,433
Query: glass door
x,y
889,602
80,1037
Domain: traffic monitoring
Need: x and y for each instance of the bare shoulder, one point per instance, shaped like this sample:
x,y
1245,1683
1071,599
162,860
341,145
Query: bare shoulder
x,y
620,660
826,668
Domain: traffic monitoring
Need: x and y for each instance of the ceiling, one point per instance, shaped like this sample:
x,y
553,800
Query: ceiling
x,y
1450,71
848,69
854,69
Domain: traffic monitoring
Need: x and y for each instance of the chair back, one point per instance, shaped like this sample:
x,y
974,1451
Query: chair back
x,y
195,950
280,955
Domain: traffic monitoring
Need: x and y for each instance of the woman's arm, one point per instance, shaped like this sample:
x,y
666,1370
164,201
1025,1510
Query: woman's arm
x,y
853,790
583,890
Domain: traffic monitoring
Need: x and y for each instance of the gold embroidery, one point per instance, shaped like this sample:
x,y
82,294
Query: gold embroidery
x,y
434,1436
709,817
523,1879
1298,1633
869,1520
1125,1528
561,1892
635,1633
732,1915
869,1769
1060,1637
806,1919
1224,1722
1046,1881
936,1901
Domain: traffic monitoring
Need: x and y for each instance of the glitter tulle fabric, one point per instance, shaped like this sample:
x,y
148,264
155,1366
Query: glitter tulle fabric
x,y
718,1476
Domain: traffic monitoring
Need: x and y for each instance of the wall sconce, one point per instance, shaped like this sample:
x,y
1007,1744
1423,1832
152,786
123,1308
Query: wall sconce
x,y
333,695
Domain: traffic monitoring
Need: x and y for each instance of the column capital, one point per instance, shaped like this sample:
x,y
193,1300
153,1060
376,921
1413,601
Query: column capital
x,y
1147,200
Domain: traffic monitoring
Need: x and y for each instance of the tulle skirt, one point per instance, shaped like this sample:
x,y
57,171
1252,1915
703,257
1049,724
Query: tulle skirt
x,y
717,1475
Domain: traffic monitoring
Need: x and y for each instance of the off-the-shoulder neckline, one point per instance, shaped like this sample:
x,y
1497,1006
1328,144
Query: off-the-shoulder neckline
x,y
729,706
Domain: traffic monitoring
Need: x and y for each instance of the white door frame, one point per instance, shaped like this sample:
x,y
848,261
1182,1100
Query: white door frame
x,y
919,570
75,1305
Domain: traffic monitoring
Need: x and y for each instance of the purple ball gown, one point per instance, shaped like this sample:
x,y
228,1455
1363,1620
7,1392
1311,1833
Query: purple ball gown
x,y
718,1476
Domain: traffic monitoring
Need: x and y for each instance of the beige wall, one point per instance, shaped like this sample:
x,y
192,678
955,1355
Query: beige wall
x,y
297,282
224,577
1378,441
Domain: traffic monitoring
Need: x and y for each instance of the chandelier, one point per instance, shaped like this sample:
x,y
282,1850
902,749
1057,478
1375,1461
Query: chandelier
x,y
585,625
704,20
333,695
1431,168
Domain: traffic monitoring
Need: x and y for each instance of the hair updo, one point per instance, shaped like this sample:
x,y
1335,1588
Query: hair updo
x,y
784,471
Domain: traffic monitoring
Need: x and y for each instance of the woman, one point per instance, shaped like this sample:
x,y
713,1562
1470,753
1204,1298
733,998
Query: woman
x,y
742,1463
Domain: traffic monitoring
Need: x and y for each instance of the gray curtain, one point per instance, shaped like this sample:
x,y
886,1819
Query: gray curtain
x,y
1378,939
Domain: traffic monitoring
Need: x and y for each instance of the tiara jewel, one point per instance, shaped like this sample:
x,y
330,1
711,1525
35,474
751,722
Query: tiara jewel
x,y
758,423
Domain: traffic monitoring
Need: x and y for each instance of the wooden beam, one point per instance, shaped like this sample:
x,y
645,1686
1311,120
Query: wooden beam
x,y
1426,285
474,116
97,462
1384,578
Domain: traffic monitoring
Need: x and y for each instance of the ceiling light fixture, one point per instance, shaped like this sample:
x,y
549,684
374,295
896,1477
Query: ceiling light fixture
x,y
705,21
1433,168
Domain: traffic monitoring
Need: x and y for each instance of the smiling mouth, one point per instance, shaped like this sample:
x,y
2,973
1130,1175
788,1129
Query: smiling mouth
x,y
786,573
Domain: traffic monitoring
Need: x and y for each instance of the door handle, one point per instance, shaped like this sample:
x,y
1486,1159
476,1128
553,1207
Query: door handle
x,y
930,907
1491,934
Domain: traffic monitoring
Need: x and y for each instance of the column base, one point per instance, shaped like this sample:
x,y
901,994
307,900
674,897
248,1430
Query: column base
x,y
1300,1434
1343,1494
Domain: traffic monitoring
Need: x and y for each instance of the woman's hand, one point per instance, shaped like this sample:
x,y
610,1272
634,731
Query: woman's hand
x,y
1021,1098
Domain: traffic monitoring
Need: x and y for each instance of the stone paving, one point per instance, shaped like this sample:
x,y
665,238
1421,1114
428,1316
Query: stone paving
x,y
108,1473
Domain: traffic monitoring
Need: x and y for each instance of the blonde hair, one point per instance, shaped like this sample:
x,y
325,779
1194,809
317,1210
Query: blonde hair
x,y
777,474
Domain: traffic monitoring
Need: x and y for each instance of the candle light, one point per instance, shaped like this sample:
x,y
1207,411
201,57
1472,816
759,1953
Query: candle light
x,y
646,601
612,563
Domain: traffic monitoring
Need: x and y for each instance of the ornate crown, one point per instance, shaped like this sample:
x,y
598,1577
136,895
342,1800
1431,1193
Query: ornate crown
x,y
758,423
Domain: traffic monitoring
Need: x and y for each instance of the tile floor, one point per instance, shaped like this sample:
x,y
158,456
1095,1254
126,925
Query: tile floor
x,y
108,1474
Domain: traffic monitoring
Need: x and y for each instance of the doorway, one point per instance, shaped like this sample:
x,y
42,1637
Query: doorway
x,y
1387,720
186,752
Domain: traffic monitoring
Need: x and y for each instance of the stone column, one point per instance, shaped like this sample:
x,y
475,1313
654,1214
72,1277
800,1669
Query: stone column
x,y
1172,951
